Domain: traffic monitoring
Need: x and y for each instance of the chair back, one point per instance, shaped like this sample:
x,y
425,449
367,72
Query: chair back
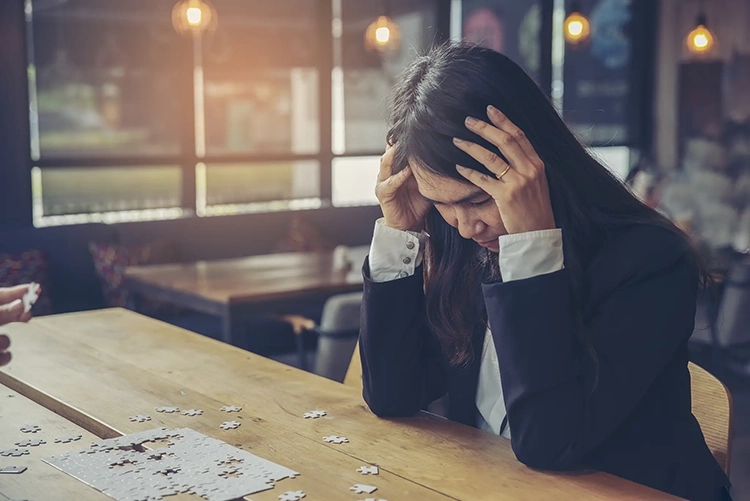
x,y
712,407
338,334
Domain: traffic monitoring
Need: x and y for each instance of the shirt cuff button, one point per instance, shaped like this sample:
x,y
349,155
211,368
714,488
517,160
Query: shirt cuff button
x,y
407,260
410,245
403,274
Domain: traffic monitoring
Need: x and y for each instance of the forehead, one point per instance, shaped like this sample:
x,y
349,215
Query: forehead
x,y
441,188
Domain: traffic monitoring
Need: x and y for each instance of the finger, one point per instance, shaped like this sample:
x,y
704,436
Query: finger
x,y
4,342
504,141
10,294
397,180
12,312
5,358
386,165
502,122
492,161
480,179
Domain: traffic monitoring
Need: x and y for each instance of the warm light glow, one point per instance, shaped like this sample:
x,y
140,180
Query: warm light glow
x,y
577,28
383,36
194,16
700,41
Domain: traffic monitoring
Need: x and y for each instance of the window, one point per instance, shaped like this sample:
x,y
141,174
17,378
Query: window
x,y
261,78
108,194
361,83
103,78
362,79
507,26
130,120
232,188
354,180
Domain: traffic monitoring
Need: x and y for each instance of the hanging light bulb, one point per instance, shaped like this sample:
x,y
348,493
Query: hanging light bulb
x,y
194,17
383,36
577,27
700,41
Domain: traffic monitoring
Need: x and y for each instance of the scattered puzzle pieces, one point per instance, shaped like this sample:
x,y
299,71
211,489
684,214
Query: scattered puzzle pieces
x,y
363,489
14,452
231,408
292,496
140,419
314,414
168,410
192,412
68,439
30,428
230,425
13,470
368,470
335,439
30,443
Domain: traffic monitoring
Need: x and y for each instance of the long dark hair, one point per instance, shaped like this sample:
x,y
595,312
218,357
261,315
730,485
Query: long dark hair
x,y
428,107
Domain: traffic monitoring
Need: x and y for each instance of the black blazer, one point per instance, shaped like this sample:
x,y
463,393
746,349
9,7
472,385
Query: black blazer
x,y
637,307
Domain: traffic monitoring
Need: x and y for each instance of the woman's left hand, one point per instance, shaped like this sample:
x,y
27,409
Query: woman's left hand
x,y
521,193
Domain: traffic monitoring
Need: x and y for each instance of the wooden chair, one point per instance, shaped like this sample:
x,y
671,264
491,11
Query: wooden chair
x,y
711,405
353,376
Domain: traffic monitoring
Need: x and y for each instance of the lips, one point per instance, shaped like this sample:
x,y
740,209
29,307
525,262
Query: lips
x,y
489,243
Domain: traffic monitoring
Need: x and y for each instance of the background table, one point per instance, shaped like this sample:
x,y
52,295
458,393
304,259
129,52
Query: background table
x,y
96,369
230,289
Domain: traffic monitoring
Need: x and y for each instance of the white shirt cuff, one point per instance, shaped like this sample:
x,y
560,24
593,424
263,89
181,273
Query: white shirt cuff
x,y
395,253
526,255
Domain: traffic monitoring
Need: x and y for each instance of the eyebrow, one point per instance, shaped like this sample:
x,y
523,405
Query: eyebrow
x,y
460,201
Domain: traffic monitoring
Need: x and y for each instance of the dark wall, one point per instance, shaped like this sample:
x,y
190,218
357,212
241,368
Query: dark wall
x,y
244,235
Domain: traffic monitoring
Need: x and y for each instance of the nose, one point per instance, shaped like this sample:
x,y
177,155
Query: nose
x,y
468,226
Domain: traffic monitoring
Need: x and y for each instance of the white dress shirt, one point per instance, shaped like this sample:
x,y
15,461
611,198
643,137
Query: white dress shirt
x,y
396,254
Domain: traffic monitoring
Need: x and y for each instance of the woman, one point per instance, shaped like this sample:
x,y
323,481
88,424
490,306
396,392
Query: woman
x,y
552,307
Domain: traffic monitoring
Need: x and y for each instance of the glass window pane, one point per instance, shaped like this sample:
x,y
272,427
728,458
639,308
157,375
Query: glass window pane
x,y
104,79
259,182
69,191
354,180
507,26
260,78
598,100
367,78
615,158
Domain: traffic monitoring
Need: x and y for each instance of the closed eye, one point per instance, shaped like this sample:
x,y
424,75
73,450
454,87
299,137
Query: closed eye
x,y
482,202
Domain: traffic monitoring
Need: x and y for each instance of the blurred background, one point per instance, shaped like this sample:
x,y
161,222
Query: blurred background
x,y
162,132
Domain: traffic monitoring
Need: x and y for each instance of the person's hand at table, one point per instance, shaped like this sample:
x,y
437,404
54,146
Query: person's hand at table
x,y
11,310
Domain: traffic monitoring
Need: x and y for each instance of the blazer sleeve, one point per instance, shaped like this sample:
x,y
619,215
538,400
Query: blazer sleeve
x,y
562,402
403,369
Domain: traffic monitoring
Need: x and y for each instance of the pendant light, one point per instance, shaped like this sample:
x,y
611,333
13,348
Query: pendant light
x,y
194,17
577,27
701,41
383,35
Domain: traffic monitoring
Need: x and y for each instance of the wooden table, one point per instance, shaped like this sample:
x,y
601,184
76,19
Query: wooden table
x,y
96,369
231,289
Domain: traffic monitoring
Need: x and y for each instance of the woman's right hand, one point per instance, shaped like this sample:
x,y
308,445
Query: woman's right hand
x,y
404,208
